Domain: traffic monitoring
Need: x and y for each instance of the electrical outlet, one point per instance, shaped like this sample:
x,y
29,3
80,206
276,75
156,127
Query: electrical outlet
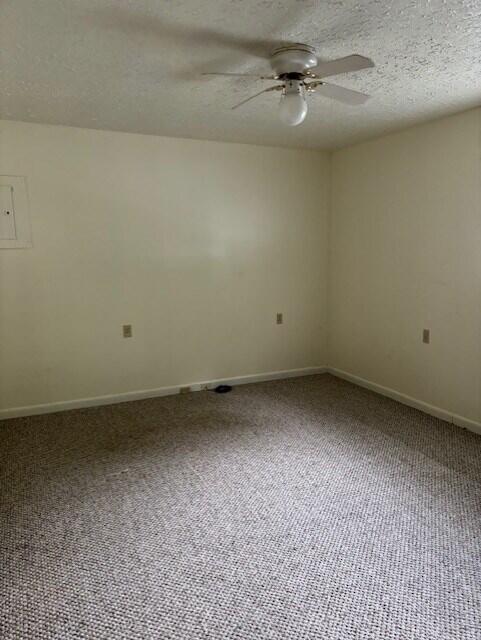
x,y
279,318
198,387
127,330
426,336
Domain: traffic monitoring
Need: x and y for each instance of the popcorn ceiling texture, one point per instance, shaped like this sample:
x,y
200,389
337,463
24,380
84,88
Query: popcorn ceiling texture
x,y
304,509
135,65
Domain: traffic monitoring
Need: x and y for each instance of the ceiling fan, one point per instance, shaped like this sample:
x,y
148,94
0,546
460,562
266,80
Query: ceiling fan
x,y
299,73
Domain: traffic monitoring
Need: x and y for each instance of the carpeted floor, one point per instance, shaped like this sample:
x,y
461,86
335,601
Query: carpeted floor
x,y
295,509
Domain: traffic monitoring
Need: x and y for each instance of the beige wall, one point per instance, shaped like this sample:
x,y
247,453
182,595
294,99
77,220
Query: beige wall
x,y
200,244
197,244
405,254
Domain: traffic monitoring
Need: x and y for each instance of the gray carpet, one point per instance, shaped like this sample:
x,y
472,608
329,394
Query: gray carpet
x,y
296,509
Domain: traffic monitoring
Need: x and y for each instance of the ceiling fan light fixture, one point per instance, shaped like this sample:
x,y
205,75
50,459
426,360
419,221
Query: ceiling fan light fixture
x,y
293,105
299,73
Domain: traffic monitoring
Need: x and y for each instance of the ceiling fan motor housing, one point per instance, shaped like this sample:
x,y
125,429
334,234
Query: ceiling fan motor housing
x,y
295,58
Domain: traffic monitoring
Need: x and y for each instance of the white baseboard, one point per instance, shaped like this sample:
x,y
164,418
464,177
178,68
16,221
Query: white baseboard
x,y
454,418
81,403
128,396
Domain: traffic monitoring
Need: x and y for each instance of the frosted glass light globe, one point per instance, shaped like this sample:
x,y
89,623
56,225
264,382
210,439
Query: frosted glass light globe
x,y
293,108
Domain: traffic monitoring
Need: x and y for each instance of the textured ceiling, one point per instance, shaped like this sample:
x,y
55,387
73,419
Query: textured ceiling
x,y
134,65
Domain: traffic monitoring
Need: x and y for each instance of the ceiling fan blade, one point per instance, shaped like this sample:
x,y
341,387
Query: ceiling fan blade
x,y
347,96
240,75
342,65
276,87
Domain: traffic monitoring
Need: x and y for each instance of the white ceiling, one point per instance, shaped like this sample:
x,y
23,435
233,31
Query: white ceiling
x,y
134,65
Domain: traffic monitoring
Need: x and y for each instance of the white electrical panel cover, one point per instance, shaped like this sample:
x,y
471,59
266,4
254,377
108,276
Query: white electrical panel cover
x,y
14,215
